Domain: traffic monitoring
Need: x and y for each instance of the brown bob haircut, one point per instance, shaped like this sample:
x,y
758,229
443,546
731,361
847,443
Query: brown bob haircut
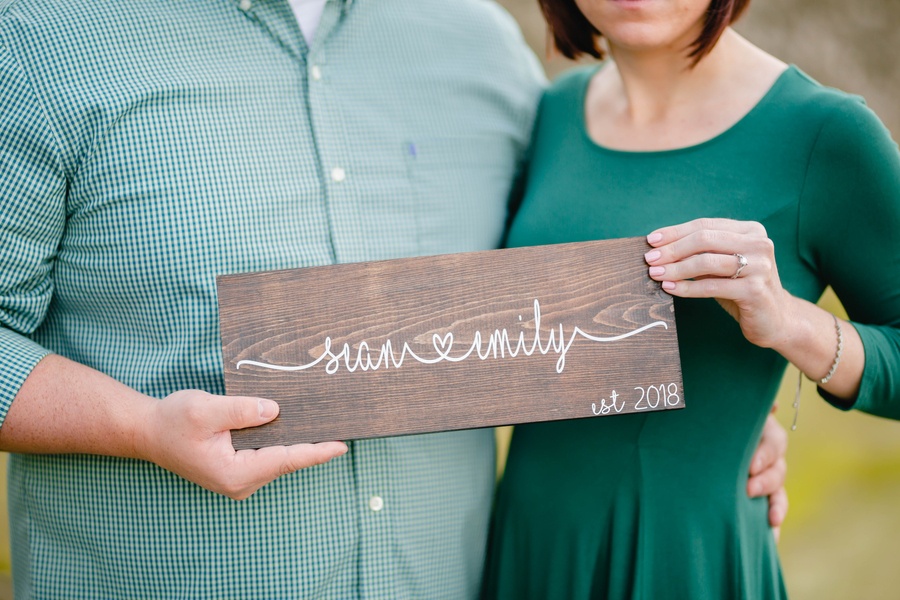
x,y
574,35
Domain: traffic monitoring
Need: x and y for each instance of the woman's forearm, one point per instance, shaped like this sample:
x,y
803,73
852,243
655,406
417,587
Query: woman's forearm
x,y
810,342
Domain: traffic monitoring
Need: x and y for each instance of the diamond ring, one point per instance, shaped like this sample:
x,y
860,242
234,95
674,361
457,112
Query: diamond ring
x,y
742,262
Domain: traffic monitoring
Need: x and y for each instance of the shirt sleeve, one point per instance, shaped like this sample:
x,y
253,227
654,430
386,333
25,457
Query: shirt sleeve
x,y
850,233
32,220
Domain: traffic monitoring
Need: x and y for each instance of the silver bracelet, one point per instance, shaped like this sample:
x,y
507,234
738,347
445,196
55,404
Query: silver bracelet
x,y
824,380
837,355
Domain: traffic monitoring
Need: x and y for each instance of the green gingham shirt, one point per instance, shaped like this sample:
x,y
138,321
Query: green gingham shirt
x,y
147,146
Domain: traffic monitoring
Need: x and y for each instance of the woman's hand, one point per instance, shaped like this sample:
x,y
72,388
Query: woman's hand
x,y
731,261
734,262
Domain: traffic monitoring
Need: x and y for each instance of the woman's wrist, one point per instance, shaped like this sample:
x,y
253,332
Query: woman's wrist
x,y
807,338
839,350
826,349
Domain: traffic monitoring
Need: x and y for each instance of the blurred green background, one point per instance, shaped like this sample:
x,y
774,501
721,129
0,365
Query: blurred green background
x,y
841,538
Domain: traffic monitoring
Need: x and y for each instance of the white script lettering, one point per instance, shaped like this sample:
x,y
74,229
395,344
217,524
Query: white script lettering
x,y
499,345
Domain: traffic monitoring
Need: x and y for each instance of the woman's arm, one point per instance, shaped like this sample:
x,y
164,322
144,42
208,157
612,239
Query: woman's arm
x,y
849,234
699,259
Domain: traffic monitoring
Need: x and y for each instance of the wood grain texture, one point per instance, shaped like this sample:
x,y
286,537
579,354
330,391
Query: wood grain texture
x,y
440,308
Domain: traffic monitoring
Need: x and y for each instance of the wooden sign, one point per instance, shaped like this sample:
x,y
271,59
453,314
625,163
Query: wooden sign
x,y
450,342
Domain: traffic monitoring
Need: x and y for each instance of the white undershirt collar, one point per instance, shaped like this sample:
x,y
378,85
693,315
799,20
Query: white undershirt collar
x,y
308,13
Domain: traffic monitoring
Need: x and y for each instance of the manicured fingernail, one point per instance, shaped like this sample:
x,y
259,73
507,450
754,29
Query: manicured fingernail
x,y
654,237
668,285
267,409
652,255
656,271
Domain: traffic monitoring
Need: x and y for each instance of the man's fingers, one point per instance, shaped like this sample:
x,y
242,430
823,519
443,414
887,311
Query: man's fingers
x,y
768,469
192,438
778,508
763,458
254,468
769,481
301,456
274,461
772,445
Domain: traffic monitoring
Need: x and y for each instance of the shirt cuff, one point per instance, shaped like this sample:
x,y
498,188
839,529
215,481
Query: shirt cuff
x,y
879,384
20,355
839,403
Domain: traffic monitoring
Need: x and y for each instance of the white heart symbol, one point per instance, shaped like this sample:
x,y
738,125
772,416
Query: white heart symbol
x,y
442,345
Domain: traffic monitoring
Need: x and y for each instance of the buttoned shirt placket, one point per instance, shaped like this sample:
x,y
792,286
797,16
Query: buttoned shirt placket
x,y
333,144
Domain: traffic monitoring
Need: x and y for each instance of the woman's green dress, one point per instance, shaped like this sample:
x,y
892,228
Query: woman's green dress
x,y
654,505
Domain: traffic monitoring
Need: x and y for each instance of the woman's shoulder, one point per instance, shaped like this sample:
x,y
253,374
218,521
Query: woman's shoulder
x,y
823,107
571,83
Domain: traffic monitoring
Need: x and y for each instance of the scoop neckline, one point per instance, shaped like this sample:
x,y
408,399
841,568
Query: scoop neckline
x,y
582,119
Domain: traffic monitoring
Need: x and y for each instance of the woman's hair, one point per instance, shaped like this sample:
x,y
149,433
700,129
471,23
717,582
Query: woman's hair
x,y
574,35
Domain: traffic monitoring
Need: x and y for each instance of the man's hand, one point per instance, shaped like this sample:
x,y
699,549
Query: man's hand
x,y
768,470
189,433
68,408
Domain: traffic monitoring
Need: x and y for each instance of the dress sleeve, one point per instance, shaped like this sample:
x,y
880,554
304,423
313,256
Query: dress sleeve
x,y
850,234
32,219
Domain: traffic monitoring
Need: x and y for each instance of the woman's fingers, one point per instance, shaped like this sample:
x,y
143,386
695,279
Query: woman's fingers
x,y
718,258
666,235
731,261
714,241
710,265
707,247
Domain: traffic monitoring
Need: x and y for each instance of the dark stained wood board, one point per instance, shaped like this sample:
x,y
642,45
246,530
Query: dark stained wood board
x,y
420,316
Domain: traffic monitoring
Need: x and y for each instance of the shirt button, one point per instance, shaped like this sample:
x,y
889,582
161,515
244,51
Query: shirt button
x,y
338,174
316,72
246,4
376,503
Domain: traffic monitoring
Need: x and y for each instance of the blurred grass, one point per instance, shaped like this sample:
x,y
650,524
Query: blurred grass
x,y
840,540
